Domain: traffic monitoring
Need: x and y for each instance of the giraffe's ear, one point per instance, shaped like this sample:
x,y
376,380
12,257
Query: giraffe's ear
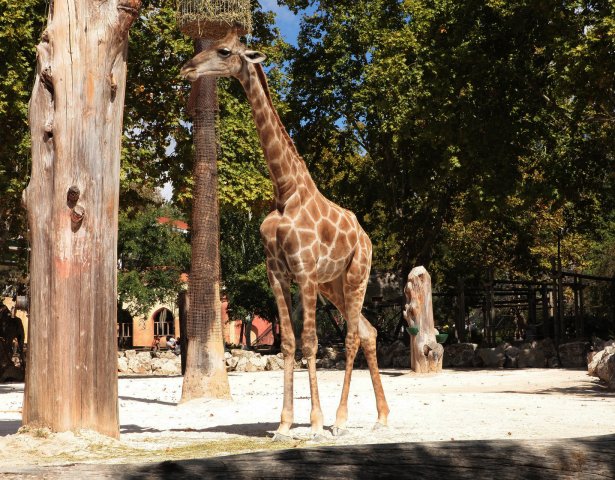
x,y
254,56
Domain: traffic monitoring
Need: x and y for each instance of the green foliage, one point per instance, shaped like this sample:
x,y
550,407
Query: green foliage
x,y
20,26
152,255
467,134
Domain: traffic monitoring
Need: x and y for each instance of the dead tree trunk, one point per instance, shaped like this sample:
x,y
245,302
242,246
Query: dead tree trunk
x,y
72,201
425,353
205,373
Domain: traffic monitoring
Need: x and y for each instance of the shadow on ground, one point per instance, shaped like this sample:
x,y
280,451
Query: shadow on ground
x,y
586,458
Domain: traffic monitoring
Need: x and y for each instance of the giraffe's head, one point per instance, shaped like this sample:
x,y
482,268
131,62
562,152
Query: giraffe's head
x,y
225,58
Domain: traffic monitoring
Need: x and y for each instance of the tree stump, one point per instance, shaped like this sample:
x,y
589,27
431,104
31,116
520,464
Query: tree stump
x,y
72,201
425,352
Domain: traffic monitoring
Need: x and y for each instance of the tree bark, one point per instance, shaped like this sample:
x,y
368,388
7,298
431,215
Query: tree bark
x,y
425,353
72,201
205,374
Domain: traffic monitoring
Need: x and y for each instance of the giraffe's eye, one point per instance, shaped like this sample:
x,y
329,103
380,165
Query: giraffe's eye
x,y
224,52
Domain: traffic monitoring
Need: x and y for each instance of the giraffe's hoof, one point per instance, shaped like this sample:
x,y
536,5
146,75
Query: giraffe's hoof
x,y
317,438
379,426
281,437
339,431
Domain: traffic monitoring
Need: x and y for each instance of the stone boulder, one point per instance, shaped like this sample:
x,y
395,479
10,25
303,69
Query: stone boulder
x,y
493,357
166,366
603,366
511,355
390,355
531,355
574,354
459,355
122,364
140,362
274,362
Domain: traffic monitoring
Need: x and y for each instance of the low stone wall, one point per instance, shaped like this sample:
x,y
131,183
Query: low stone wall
x,y
537,354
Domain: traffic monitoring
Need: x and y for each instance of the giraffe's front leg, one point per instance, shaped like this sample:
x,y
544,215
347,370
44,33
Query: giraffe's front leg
x,y
281,291
309,347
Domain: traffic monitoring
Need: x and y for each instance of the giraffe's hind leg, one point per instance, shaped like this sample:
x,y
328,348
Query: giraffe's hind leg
x,y
346,298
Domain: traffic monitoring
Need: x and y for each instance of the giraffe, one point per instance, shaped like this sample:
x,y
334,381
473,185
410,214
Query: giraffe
x,y
307,239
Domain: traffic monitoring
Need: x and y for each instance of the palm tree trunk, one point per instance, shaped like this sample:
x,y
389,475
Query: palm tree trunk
x,y
205,374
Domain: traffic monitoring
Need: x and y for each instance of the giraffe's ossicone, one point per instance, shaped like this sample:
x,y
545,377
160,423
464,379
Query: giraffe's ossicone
x,y
308,239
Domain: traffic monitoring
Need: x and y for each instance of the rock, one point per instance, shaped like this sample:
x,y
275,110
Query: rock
x,y
332,353
341,365
228,355
121,354
232,362
130,353
386,353
258,362
273,362
531,355
511,355
492,357
603,366
325,363
242,363
459,355
140,363
122,364
238,352
165,366
573,354
401,361
548,348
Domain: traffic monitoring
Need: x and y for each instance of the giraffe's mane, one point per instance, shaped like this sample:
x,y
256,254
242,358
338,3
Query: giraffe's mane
x,y
262,78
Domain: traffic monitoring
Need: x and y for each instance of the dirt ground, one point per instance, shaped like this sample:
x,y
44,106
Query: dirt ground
x,y
453,405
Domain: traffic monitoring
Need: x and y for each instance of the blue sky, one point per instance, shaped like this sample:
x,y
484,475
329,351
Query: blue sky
x,y
285,20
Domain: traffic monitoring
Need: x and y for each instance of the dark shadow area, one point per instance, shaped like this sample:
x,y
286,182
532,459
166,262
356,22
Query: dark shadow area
x,y
132,428
140,377
258,430
147,400
384,373
11,387
587,458
586,389
9,427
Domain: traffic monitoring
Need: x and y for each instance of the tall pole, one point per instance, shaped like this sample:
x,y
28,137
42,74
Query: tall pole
x,y
560,324
205,374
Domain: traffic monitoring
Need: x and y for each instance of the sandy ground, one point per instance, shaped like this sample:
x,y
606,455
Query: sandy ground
x,y
453,405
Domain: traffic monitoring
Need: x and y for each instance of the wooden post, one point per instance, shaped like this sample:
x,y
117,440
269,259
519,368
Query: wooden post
x,y
577,312
425,353
489,311
531,301
72,201
544,299
460,324
582,307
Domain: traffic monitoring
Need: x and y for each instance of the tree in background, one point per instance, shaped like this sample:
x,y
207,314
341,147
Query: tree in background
x,y
456,126
153,253
21,23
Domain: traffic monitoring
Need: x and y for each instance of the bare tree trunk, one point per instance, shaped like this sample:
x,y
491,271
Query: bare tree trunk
x,y
425,353
205,374
72,200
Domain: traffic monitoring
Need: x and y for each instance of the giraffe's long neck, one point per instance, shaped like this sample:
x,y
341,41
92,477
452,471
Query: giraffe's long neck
x,y
287,169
